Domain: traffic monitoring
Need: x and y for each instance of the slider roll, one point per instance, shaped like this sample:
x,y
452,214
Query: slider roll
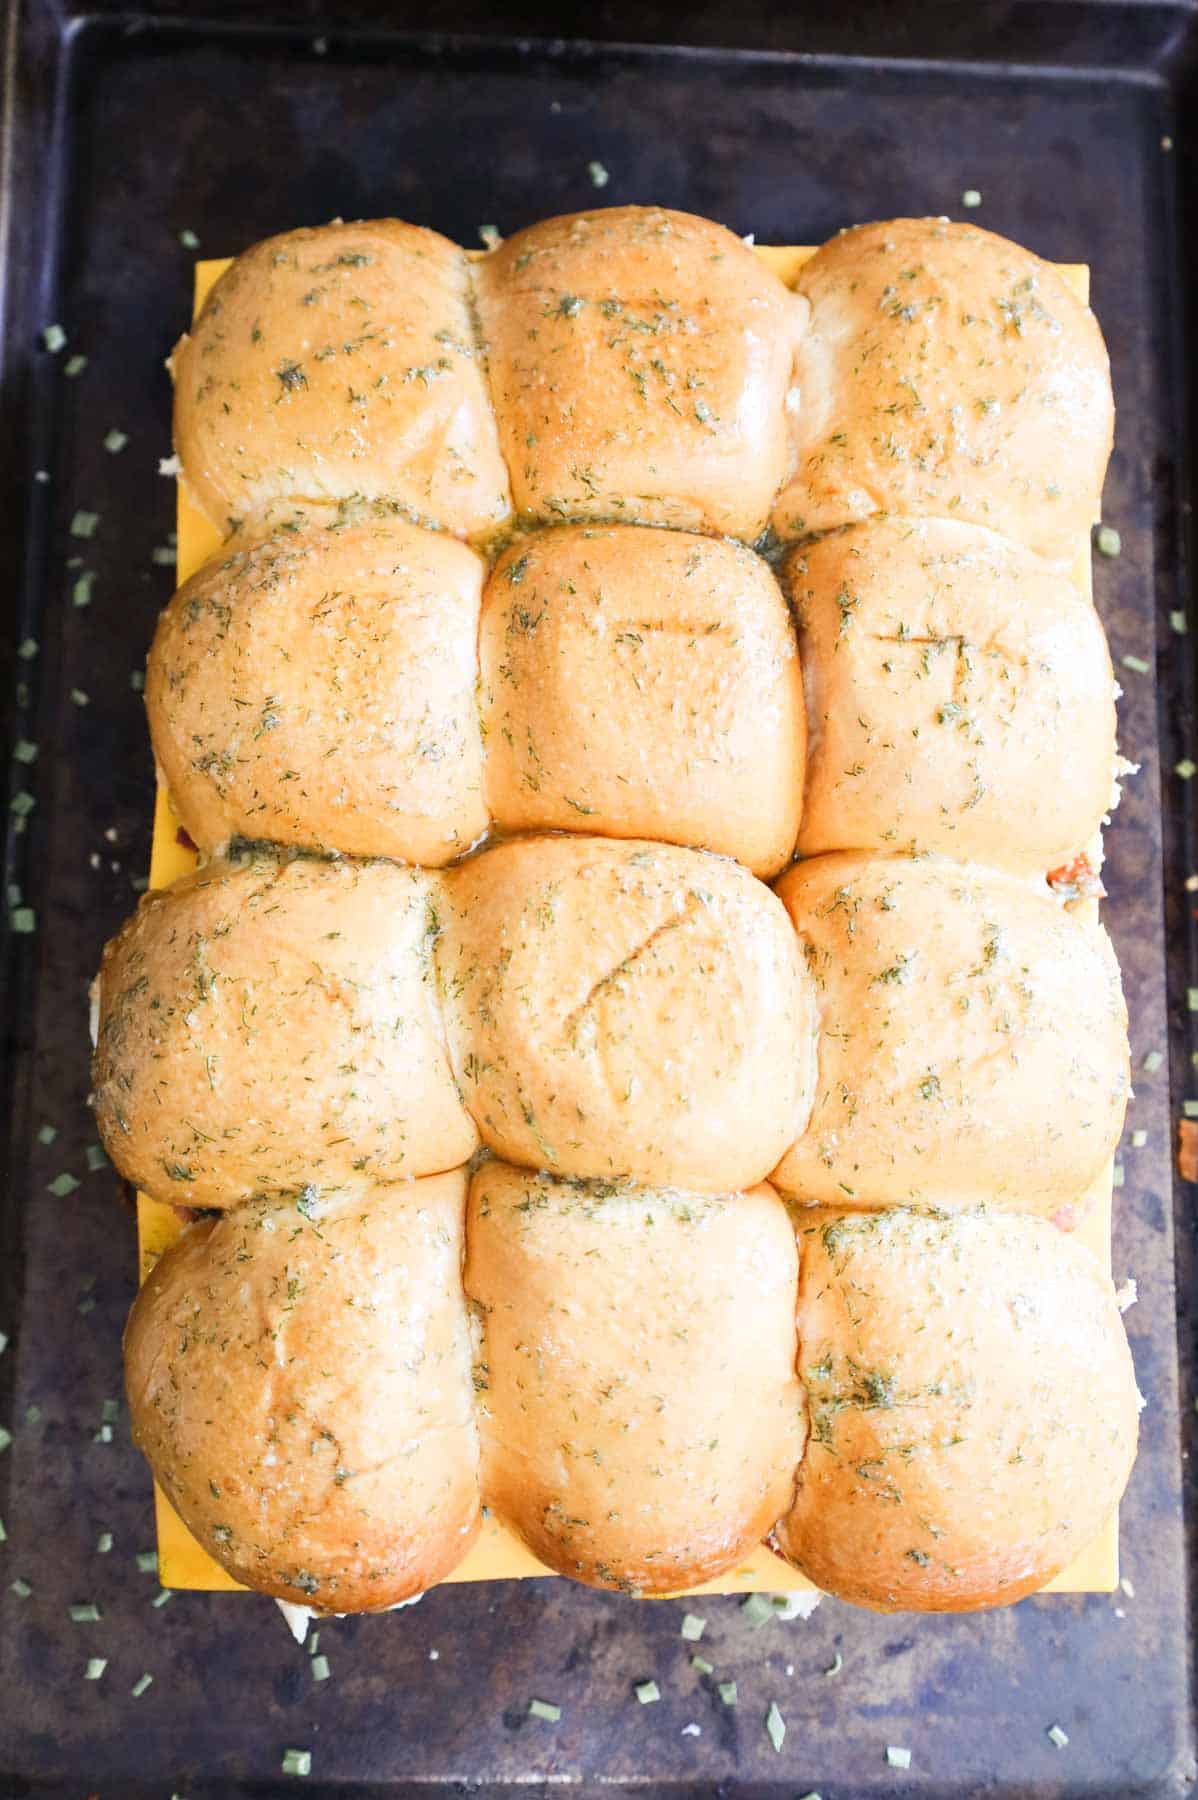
x,y
625,1009
314,685
640,1416
972,1039
335,363
640,683
972,1408
946,373
960,697
639,363
298,1373
269,1027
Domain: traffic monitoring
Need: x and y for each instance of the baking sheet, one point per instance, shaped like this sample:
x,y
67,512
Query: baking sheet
x,y
135,127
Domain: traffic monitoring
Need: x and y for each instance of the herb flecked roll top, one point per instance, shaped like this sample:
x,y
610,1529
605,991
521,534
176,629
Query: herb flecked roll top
x,y
531,1152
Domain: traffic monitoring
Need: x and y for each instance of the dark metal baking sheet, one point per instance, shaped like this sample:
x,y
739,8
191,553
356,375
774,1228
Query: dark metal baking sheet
x,y
127,129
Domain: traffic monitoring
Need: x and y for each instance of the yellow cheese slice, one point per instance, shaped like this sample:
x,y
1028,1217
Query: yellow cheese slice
x,y
497,1555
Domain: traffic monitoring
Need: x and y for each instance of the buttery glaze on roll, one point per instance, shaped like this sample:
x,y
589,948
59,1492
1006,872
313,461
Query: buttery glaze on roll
x,y
299,1381
639,1413
639,363
972,1039
960,697
625,1009
271,1027
315,685
339,362
945,372
643,683
972,1408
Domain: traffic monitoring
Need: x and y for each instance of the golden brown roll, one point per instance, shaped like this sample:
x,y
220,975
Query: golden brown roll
x,y
340,362
972,1408
625,1009
316,686
640,1418
299,1381
945,372
270,1028
643,683
639,362
960,697
972,1039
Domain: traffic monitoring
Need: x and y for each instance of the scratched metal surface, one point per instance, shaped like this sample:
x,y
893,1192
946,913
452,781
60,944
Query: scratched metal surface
x,y
132,129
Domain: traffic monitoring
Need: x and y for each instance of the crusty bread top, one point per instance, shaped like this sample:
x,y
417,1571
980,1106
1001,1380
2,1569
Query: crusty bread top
x,y
945,372
642,683
299,1379
336,362
960,697
640,1416
315,685
972,1038
971,1404
639,362
272,1027
625,1009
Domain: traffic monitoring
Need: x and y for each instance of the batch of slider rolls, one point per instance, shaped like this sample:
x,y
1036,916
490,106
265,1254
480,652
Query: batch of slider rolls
x,y
639,1037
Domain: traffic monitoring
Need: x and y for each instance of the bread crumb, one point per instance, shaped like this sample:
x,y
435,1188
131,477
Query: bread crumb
x,y
1187,1149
